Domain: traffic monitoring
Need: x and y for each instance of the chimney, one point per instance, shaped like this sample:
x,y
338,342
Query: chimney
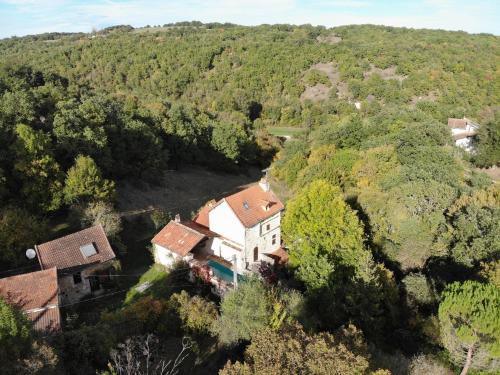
x,y
177,218
264,184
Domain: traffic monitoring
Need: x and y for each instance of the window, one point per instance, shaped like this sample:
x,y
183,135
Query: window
x,y
268,226
274,239
255,254
77,278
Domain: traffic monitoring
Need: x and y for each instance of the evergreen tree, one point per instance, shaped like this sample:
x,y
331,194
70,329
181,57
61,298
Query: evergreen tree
x,y
470,324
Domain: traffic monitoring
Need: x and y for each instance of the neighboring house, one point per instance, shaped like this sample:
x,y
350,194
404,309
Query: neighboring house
x,y
240,232
36,294
83,260
463,132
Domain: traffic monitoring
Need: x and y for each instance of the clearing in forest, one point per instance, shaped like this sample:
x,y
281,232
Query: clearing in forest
x,y
321,90
180,191
329,39
385,74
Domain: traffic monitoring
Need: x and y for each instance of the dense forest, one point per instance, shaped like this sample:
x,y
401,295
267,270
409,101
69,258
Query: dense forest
x,y
392,230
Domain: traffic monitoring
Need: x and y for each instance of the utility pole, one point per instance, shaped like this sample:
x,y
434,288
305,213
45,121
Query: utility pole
x,y
235,272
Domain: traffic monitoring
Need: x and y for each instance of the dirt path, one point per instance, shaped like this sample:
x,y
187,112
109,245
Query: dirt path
x,y
183,191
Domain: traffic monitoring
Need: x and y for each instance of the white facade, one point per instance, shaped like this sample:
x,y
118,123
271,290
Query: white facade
x,y
224,222
166,257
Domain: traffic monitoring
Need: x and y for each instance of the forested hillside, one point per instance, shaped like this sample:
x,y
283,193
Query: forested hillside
x,y
391,228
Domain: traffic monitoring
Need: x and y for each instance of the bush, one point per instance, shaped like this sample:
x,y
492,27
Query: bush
x,y
418,291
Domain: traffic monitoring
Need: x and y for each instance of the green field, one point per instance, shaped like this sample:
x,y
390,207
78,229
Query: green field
x,y
281,131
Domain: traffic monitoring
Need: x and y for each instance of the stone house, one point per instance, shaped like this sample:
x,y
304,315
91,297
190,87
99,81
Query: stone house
x,y
83,260
37,295
233,236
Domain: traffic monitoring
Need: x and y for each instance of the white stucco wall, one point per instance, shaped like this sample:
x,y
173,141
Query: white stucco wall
x,y
225,222
221,249
166,257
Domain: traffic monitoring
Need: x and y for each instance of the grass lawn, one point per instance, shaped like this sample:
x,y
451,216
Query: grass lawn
x,y
160,282
282,131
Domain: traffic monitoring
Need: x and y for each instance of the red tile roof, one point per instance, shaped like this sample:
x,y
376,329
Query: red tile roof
x,y
65,252
178,238
248,205
35,293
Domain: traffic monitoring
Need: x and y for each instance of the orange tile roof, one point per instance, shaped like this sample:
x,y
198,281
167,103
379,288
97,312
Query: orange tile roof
x,y
248,205
202,215
280,256
65,252
35,293
178,238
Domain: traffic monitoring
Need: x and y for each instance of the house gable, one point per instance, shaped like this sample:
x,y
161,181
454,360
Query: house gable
x,y
224,222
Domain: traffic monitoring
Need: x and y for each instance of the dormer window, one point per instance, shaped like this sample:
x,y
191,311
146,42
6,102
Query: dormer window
x,y
245,205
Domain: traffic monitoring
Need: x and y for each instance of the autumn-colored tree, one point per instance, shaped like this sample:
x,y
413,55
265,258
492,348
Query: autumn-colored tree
x,y
196,313
293,351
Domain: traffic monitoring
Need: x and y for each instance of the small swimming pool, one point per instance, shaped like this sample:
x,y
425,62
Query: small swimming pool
x,y
222,272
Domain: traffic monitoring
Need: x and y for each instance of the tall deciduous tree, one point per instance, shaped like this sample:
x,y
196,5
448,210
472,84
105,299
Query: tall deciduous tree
x,y
318,222
470,324
84,183
37,169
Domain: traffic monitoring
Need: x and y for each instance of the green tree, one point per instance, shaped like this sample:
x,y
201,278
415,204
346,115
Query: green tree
x,y
318,222
230,140
19,230
38,170
470,324
243,311
15,333
84,183
488,143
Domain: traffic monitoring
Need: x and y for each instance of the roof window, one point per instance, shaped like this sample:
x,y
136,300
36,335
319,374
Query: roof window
x,y
88,250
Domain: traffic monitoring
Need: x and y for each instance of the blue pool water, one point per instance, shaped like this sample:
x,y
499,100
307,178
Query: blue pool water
x,y
222,272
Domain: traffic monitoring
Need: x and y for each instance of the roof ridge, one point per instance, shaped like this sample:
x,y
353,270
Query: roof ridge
x,y
189,228
72,234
